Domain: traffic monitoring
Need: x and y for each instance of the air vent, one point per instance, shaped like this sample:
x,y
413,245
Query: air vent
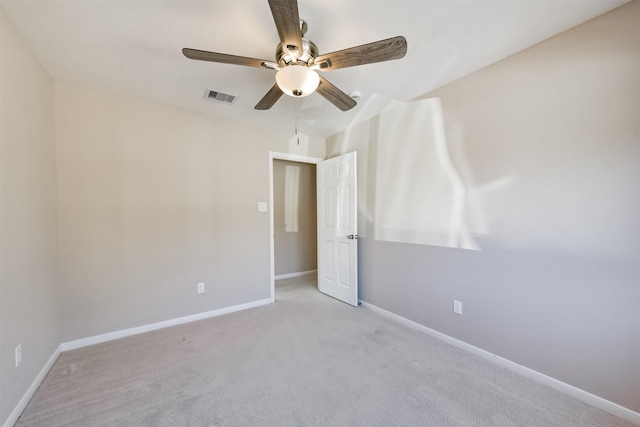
x,y
214,95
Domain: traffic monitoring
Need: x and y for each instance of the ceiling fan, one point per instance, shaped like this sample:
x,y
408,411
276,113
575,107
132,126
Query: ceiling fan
x,y
298,59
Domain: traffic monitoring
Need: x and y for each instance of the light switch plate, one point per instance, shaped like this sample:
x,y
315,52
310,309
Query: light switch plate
x,y
263,207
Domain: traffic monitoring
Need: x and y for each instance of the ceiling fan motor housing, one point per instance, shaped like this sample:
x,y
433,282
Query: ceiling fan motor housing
x,y
288,55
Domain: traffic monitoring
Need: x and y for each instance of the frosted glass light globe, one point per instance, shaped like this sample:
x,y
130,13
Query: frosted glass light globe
x,y
297,80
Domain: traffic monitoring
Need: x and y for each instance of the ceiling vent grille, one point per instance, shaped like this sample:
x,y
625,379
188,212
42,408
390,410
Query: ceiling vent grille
x,y
214,95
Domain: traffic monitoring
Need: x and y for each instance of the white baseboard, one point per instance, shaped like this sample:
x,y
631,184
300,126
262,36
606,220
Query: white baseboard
x,y
584,396
17,411
292,275
72,345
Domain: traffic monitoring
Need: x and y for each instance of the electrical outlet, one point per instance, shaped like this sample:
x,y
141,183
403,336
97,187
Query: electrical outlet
x,y
457,307
18,355
201,288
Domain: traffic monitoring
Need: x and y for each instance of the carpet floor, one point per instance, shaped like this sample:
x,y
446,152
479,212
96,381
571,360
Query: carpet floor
x,y
307,360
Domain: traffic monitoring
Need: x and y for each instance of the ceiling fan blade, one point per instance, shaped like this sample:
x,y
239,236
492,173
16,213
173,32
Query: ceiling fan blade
x,y
203,55
270,98
285,14
335,95
382,50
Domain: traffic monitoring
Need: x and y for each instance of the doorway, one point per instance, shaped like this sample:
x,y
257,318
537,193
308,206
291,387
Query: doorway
x,y
293,231
294,211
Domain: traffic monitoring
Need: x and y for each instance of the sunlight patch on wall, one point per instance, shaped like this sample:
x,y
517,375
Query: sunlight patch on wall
x,y
291,198
415,183
420,196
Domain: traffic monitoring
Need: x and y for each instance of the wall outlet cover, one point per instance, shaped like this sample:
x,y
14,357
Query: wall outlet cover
x,y
457,307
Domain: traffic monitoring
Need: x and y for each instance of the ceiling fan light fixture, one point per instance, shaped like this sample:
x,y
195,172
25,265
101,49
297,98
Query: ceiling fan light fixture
x,y
297,80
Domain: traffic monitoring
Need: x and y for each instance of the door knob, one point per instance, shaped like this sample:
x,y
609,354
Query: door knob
x,y
352,236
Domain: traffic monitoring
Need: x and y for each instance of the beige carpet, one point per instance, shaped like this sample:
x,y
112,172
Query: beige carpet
x,y
306,360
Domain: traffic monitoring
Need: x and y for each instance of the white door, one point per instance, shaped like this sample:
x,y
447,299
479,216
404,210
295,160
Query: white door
x,y
337,228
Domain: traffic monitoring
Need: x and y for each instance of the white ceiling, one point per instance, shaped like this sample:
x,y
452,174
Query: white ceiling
x,y
133,47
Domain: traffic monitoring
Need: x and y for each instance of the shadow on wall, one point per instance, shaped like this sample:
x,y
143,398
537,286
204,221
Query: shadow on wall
x,y
419,189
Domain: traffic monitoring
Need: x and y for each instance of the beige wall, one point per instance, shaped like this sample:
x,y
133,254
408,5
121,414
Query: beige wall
x,y
29,312
153,200
517,191
294,200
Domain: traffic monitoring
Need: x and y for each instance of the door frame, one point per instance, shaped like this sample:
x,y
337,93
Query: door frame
x,y
274,155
